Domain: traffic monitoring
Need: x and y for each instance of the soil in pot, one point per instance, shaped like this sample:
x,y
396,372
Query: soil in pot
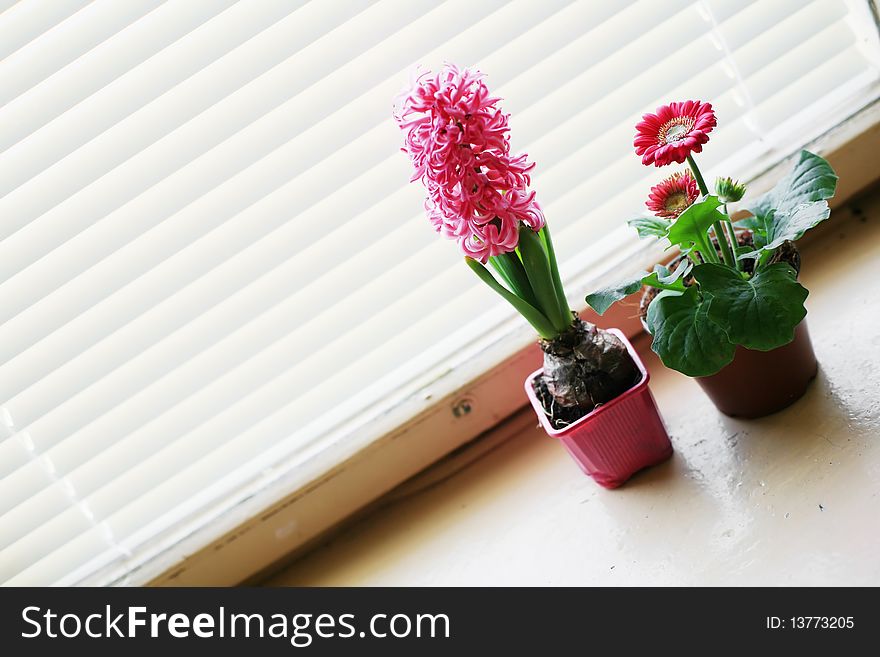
x,y
583,369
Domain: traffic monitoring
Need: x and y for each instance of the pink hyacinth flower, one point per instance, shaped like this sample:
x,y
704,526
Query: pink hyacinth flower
x,y
459,144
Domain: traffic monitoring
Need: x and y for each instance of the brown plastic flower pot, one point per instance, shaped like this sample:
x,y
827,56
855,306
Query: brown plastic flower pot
x,y
758,383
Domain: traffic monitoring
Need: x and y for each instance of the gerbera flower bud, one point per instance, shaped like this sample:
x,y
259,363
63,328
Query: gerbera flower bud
x,y
674,132
674,195
729,190
459,144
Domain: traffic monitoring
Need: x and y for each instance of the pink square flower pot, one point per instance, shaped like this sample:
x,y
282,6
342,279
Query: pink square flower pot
x,y
617,439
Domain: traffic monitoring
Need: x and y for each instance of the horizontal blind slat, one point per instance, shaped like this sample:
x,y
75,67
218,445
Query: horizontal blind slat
x,y
27,20
139,107
66,89
66,42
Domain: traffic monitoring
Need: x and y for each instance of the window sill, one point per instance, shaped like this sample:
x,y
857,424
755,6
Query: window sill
x,y
781,501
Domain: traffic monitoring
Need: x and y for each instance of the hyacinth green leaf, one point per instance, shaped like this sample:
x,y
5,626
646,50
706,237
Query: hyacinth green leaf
x,y
691,227
759,313
510,268
537,265
685,338
650,226
602,300
534,316
554,270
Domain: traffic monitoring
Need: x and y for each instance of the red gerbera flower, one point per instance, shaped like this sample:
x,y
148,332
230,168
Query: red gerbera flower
x,y
673,195
674,132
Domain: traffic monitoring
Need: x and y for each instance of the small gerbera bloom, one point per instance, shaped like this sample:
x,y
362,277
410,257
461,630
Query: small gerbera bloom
x,y
673,195
674,132
459,143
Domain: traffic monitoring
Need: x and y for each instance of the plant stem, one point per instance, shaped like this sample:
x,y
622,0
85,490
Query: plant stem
x,y
733,240
698,176
726,251
695,256
731,234
707,251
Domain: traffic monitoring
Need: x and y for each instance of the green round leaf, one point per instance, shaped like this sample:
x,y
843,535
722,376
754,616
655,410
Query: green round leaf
x,y
789,226
664,279
692,225
760,313
650,226
685,338
812,179
602,300
796,204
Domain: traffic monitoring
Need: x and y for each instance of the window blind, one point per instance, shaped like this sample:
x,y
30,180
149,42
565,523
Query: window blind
x,y
210,255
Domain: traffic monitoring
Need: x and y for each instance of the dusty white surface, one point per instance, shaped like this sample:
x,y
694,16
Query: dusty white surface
x,y
789,499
